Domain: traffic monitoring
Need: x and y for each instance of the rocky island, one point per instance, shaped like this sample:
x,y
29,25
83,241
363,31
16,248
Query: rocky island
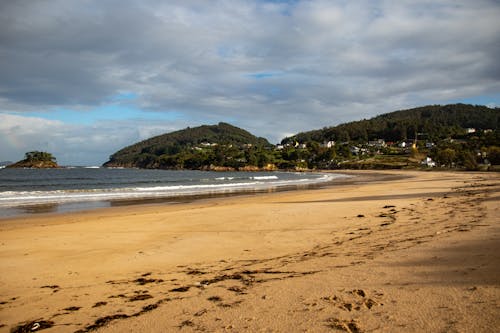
x,y
36,160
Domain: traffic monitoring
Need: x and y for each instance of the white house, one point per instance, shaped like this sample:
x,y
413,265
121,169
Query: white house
x,y
428,162
208,144
328,144
355,150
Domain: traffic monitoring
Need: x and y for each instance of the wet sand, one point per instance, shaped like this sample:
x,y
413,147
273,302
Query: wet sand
x,y
382,252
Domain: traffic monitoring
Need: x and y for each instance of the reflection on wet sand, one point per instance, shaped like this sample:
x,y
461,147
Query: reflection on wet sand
x,y
88,205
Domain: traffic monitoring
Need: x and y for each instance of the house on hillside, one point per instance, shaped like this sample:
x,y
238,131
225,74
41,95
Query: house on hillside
x,y
208,144
354,150
328,144
380,143
428,162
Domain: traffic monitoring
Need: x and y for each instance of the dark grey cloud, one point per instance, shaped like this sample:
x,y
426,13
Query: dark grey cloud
x,y
273,67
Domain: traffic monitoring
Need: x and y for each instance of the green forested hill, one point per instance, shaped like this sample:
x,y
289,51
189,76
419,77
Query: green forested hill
x,y
454,136
432,122
191,148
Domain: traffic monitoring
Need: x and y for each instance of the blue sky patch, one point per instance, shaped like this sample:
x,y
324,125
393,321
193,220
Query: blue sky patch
x,y
490,100
104,113
263,75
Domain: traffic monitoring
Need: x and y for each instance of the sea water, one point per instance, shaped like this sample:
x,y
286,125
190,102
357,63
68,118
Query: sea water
x,y
65,189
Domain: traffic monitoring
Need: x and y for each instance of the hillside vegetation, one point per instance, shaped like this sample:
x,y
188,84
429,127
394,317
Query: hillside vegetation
x,y
433,122
36,160
221,145
456,136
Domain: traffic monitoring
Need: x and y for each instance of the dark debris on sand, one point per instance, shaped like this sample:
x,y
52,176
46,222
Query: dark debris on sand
x,y
33,326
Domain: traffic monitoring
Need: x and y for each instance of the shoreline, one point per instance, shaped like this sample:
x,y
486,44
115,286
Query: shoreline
x,y
25,213
235,189
410,251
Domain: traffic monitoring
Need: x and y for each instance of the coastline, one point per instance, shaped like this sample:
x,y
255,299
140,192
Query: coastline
x,y
347,177
384,251
74,199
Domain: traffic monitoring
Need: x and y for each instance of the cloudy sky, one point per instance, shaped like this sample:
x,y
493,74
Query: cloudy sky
x,y
83,78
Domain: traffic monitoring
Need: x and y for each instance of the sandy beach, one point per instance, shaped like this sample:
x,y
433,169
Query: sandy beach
x,y
388,251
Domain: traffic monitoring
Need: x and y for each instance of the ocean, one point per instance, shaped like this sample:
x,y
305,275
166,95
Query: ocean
x,y
28,191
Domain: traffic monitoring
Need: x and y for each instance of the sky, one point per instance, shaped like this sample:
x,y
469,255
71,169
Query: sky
x,y
82,79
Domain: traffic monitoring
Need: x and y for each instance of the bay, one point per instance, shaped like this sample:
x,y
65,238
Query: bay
x,y
56,190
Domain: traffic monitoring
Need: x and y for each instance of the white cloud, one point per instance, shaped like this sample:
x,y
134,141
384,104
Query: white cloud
x,y
72,144
337,60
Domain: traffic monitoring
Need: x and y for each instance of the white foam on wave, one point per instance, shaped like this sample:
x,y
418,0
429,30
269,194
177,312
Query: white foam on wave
x,y
188,187
24,198
264,177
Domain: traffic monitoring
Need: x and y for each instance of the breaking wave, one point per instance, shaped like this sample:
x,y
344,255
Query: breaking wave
x,y
190,184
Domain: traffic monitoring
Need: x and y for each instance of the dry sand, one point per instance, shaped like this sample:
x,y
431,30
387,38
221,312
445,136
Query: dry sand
x,y
382,252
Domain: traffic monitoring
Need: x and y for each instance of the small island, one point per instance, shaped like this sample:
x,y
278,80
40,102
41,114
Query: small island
x,y
36,160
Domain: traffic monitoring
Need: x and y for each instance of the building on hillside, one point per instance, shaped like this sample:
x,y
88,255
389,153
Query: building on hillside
x,y
428,162
380,143
406,144
328,144
355,150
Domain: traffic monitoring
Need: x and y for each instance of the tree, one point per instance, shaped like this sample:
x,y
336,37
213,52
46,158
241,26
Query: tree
x,y
343,151
446,156
493,155
39,156
250,157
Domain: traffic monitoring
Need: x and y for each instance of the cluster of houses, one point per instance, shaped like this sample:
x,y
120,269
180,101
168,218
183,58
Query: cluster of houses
x,y
369,148
211,145
373,146
378,144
